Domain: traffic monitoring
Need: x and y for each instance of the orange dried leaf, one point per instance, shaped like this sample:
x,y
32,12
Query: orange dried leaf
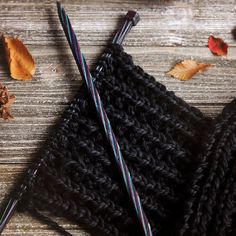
x,y
6,100
186,69
217,46
21,63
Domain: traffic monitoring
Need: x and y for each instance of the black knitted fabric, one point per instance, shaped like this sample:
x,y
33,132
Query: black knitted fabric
x,y
181,162
211,204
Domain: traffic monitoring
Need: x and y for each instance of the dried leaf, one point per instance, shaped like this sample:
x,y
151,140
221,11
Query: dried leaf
x,y
21,63
217,46
186,69
6,100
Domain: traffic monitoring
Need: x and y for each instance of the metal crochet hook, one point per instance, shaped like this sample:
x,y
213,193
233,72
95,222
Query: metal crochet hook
x,y
132,18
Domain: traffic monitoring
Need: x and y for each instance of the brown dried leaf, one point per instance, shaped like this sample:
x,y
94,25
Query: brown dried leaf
x,y
6,100
186,69
21,63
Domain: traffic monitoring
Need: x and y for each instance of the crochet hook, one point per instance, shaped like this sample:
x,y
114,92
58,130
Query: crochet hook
x,y
88,80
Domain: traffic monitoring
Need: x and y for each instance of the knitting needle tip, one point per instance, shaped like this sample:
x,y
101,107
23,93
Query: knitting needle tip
x,y
7,213
133,16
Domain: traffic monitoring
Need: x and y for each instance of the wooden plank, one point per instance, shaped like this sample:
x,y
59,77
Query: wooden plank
x,y
175,23
169,31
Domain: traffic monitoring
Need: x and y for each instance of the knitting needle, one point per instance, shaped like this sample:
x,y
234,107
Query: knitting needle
x,y
7,213
88,80
131,19
11,205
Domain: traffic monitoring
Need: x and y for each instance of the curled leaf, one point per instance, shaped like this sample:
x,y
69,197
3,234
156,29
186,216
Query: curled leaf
x,y
186,69
217,46
6,100
20,61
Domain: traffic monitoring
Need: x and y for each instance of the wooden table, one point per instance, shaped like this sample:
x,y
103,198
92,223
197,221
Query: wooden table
x,y
169,31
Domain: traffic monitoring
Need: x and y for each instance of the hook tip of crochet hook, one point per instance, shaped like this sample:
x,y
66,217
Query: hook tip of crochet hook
x,y
133,16
7,213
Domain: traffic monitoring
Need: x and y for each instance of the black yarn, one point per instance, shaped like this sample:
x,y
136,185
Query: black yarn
x,y
181,162
211,208
48,221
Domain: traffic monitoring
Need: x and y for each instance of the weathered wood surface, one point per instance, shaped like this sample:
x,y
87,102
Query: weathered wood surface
x,y
168,32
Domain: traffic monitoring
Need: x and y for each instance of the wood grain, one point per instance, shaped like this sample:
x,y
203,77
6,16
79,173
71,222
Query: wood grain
x,y
169,31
